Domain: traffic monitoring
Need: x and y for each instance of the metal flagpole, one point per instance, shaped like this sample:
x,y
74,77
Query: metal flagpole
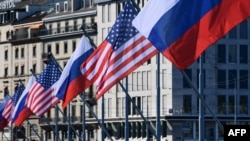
x,y
69,122
138,110
201,107
83,118
126,114
158,125
202,101
103,107
103,128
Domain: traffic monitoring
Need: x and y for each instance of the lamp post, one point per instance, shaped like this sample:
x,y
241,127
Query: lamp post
x,y
235,97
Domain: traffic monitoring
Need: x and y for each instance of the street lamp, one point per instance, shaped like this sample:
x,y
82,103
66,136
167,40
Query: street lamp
x,y
235,97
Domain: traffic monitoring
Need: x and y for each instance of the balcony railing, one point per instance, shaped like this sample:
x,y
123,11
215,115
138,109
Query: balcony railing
x,y
26,33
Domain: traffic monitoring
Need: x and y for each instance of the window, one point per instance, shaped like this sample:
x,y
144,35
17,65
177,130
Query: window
x,y
221,55
66,26
49,48
65,6
243,79
164,79
232,54
231,104
73,112
57,48
22,70
134,84
6,54
198,78
34,51
233,33
244,30
16,53
189,74
6,72
221,78
50,28
109,107
34,68
65,47
137,101
58,28
221,104
164,105
75,25
144,80
187,104
232,79
243,54
57,7
243,104
139,81
33,129
103,14
73,46
22,52
16,70
203,58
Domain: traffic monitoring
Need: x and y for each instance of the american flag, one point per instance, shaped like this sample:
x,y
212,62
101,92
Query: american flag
x,y
10,106
40,98
123,50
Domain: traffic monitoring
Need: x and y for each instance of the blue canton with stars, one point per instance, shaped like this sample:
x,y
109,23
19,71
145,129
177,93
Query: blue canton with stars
x,y
49,75
123,30
18,94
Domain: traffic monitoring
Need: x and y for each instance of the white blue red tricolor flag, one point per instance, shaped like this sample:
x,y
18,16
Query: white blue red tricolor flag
x,y
21,112
123,50
72,82
183,29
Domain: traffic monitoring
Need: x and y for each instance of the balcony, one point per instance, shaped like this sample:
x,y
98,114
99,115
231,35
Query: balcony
x,y
22,35
90,28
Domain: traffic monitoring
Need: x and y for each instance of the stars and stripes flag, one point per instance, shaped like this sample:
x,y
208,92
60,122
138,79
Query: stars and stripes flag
x,y
123,50
10,106
40,97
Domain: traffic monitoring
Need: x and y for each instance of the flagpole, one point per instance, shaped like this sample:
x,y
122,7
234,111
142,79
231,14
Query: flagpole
x,y
201,108
158,120
83,118
138,110
202,100
99,123
126,114
69,122
103,133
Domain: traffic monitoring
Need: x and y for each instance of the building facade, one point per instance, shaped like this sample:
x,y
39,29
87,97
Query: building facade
x,y
28,33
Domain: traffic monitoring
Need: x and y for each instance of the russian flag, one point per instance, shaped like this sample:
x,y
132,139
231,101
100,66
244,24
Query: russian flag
x,y
3,121
183,29
21,112
72,82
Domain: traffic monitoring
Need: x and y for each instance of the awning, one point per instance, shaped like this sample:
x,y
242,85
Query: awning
x,y
35,26
32,26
